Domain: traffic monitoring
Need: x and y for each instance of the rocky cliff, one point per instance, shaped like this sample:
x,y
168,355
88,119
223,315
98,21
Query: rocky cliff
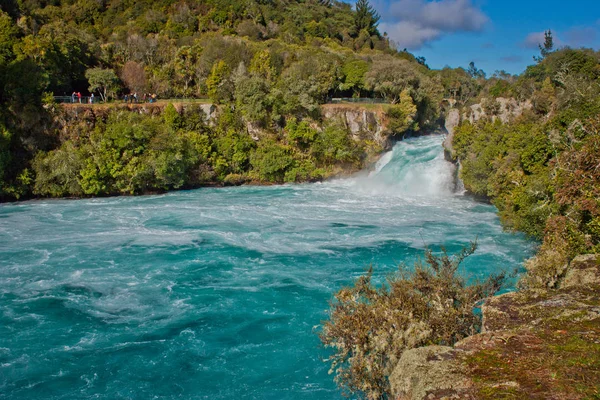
x,y
364,122
499,108
534,345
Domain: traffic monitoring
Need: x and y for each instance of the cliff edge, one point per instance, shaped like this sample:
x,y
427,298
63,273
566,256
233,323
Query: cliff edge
x,y
534,345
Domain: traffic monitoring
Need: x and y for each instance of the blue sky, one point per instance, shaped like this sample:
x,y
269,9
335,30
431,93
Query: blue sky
x,y
495,34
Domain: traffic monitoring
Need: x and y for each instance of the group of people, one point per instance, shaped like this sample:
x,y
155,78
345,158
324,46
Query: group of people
x,y
146,98
128,98
76,98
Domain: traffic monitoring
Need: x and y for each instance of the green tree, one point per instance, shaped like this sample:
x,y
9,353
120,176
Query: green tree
x,y
366,17
252,98
474,71
185,66
105,81
271,161
218,83
546,48
390,76
402,116
354,76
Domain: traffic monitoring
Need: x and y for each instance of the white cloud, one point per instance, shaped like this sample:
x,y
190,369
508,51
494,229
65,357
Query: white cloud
x,y
407,34
581,36
413,23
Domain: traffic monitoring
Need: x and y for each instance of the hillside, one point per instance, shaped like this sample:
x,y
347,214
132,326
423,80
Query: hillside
x,y
265,64
529,144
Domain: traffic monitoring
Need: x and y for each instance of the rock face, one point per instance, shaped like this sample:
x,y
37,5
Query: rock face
x,y
452,121
360,121
429,373
499,108
534,344
364,123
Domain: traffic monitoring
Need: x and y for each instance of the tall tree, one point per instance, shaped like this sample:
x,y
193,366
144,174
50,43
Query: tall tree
x,y
474,71
548,46
366,17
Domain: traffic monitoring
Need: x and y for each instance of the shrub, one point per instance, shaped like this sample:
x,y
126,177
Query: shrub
x,y
369,327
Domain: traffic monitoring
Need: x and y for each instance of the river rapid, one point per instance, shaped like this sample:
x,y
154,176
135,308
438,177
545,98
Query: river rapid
x,y
215,293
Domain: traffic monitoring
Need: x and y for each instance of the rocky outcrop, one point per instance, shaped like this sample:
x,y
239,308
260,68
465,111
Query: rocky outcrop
x,y
499,108
534,344
429,373
451,122
363,123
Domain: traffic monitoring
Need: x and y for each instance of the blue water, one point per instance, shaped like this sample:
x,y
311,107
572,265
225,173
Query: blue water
x,y
216,293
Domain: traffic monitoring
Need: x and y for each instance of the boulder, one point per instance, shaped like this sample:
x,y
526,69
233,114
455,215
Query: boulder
x,y
429,373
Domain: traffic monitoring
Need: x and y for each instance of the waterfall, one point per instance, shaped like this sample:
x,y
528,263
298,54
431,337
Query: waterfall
x,y
414,167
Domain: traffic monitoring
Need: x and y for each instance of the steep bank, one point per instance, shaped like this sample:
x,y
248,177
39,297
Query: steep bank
x,y
500,108
363,121
539,166
534,344
147,148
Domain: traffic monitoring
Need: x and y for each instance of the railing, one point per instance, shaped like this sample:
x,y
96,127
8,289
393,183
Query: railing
x,y
97,100
76,100
357,100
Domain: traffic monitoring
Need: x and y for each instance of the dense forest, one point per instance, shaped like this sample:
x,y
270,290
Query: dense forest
x,y
542,169
268,65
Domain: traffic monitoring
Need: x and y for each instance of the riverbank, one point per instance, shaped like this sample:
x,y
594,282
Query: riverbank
x,y
132,149
534,344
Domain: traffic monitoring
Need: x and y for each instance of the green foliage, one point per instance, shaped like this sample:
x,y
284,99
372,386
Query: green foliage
x,y
334,145
402,116
366,17
171,117
389,77
300,133
252,98
547,47
509,164
541,170
218,84
271,161
129,154
57,172
354,76
5,157
369,327
105,81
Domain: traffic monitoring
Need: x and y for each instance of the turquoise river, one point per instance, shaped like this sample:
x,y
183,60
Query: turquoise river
x,y
217,293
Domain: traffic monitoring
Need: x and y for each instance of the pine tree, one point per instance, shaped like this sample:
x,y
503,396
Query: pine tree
x,y
547,47
366,17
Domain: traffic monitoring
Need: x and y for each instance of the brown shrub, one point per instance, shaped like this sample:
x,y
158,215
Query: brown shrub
x,y
370,327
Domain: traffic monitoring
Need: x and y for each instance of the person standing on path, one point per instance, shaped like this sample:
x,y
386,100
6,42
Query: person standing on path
x,y
79,97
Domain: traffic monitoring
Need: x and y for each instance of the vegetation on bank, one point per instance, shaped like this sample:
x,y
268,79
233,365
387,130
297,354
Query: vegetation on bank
x,y
542,171
267,62
370,327
132,153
